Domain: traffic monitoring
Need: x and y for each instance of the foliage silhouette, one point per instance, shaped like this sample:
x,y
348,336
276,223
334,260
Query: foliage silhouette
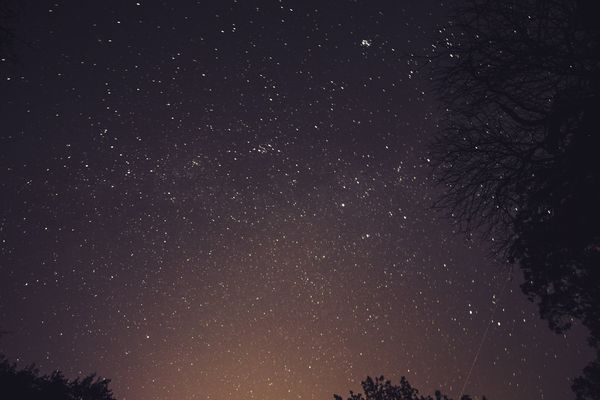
x,y
588,385
382,389
28,384
517,149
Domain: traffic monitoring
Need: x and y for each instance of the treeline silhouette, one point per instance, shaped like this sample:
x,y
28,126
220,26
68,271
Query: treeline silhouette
x,y
517,154
28,384
382,389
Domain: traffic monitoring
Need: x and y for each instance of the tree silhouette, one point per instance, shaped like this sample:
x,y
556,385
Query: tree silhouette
x,y
517,148
382,389
588,385
28,384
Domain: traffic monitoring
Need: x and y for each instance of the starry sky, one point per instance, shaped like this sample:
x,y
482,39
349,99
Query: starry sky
x,y
214,199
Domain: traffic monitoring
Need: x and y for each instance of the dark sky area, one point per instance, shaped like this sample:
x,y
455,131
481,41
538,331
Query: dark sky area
x,y
212,200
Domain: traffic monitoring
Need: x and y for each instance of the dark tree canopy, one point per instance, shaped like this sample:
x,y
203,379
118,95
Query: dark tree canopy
x,y
517,150
588,385
28,384
382,389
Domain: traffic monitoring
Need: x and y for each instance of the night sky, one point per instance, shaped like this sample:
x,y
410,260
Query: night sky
x,y
213,200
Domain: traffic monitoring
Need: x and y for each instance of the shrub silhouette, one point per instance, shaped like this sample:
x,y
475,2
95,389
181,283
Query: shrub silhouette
x,y
382,389
28,384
